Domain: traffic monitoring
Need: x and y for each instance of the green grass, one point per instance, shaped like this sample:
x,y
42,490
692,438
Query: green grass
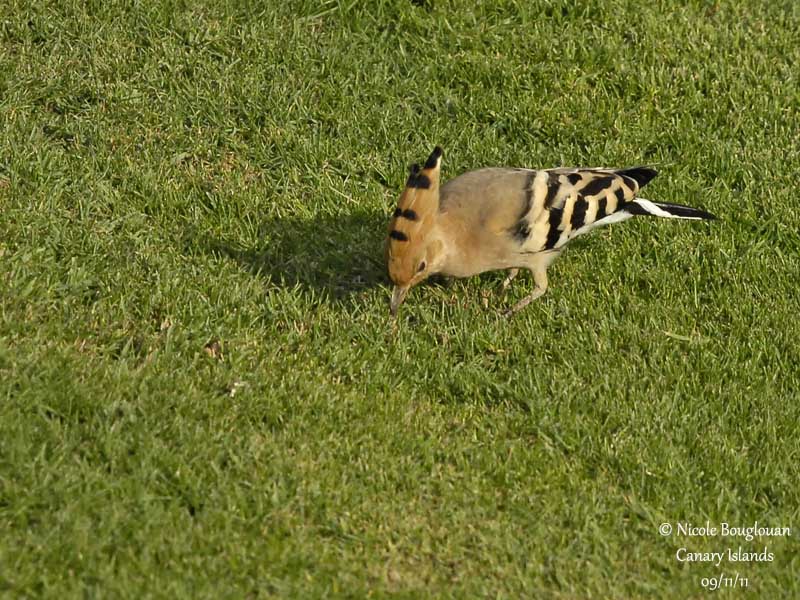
x,y
201,391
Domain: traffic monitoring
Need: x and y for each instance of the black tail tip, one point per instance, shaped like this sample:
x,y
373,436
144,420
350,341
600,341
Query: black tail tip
x,y
691,212
675,210
434,157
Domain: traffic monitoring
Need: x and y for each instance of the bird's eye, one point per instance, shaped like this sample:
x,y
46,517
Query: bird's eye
x,y
421,267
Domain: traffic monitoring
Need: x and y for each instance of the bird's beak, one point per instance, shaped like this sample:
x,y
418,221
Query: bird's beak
x,y
398,295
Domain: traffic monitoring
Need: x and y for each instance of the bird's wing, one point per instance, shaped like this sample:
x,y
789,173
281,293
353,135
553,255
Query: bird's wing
x,y
566,203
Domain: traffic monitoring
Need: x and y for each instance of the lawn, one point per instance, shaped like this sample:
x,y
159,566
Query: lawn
x,y
202,394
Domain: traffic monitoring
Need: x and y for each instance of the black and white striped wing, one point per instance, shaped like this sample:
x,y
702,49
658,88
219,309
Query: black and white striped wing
x,y
565,203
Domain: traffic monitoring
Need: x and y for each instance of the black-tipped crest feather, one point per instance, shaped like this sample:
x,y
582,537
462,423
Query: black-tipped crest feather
x,y
433,159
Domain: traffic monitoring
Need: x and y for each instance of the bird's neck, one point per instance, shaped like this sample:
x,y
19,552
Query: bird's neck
x,y
451,244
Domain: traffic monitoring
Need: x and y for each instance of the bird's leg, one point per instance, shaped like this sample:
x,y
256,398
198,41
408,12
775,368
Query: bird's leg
x,y
540,279
509,278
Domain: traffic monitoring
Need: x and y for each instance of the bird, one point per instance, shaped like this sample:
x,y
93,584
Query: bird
x,y
507,219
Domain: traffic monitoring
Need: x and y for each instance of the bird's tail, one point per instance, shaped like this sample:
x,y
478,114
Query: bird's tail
x,y
640,206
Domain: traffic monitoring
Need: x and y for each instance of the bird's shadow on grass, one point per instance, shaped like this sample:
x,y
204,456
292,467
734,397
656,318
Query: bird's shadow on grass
x,y
334,255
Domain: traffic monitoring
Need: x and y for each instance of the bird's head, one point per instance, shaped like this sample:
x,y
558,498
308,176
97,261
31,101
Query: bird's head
x,y
412,249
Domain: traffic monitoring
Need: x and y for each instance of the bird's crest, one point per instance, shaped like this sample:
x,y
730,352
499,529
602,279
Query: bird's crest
x,y
419,200
415,213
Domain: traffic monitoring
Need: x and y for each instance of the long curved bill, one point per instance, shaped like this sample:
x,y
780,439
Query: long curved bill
x,y
398,295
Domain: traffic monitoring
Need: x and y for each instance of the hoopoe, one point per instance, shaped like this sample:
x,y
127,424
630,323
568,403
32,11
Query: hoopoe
x,y
503,218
